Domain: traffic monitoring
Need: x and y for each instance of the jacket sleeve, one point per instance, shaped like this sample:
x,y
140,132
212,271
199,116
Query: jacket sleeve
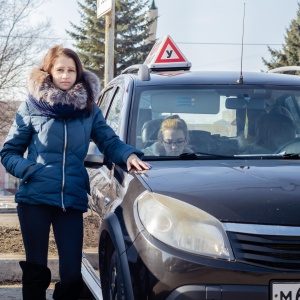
x,y
16,143
108,142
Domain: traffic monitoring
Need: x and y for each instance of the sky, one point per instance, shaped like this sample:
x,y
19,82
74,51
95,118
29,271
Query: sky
x,y
208,32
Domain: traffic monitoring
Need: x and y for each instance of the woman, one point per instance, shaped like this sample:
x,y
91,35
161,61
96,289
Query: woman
x,y
172,139
55,124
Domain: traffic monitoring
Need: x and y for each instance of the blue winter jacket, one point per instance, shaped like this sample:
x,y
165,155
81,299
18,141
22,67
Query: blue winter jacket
x,y
57,149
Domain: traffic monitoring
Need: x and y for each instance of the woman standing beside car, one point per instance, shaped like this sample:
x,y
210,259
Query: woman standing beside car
x,y
55,124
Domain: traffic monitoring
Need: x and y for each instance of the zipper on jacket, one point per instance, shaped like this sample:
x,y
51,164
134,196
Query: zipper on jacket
x,y
63,166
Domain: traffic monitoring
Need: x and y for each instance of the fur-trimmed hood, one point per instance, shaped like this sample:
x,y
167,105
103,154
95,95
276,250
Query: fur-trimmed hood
x,y
42,88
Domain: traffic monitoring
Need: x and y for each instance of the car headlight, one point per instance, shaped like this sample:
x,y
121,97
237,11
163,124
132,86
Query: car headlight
x,y
183,226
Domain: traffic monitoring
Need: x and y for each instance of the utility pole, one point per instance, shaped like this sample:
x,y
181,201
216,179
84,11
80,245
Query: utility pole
x,y
152,15
109,44
107,8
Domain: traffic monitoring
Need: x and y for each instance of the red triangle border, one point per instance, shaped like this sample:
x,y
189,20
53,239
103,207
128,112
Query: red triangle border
x,y
161,60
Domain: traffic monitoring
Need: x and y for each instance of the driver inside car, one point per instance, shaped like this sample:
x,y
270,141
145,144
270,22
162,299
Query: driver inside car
x,y
172,139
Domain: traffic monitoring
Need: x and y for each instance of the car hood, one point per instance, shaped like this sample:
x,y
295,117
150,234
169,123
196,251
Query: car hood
x,y
240,191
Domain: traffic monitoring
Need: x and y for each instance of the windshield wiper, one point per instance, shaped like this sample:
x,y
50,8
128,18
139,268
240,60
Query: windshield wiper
x,y
188,156
291,155
270,155
214,155
203,155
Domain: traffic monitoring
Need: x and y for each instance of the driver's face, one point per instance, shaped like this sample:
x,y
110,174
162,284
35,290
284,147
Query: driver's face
x,y
174,141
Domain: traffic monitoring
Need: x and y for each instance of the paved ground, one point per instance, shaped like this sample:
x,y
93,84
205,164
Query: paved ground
x,y
7,202
14,292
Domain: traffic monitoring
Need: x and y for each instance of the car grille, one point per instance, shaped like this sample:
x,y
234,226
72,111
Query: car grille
x,y
280,252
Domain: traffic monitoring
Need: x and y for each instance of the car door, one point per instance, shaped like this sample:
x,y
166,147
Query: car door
x,y
106,187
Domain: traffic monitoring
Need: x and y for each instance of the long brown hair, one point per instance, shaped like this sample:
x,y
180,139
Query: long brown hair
x,y
49,61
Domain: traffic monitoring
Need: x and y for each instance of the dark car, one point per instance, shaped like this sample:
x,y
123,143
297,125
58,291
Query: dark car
x,y
221,221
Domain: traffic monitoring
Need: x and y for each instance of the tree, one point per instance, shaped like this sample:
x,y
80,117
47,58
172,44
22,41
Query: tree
x,y
290,54
7,113
131,34
20,44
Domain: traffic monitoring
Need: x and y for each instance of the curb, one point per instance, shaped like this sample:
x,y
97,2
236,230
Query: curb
x,y
8,210
10,270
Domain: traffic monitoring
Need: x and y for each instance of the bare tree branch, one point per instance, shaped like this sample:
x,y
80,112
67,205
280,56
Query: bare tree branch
x,y
20,44
8,110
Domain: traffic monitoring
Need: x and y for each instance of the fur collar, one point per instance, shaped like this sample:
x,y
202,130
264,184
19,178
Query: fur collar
x,y
42,88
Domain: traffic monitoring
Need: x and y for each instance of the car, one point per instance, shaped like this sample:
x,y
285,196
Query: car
x,y
218,222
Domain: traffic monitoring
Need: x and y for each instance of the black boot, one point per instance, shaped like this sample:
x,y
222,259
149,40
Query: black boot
x,y
70,291
35,281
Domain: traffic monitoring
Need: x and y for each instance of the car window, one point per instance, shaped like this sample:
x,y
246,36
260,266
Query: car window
x,y
114,114
293,104
105,100
224,121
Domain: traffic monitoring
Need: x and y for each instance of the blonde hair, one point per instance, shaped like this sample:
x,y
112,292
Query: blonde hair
x,y
173,123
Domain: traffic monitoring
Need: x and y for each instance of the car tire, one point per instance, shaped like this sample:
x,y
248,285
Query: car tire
x,y
116,283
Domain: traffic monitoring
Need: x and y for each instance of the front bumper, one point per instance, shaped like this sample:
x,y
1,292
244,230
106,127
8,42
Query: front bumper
x,y
162,272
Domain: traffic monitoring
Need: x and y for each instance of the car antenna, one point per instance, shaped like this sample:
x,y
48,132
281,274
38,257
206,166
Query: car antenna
x,y
241,79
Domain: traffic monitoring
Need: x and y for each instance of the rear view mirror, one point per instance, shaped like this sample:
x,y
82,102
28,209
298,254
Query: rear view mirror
x,y
186,101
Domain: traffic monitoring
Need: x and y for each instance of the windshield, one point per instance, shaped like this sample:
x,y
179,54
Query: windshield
x,y
218,121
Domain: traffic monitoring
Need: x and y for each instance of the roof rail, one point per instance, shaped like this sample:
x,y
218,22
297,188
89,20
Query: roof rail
x,y
142,71
284,69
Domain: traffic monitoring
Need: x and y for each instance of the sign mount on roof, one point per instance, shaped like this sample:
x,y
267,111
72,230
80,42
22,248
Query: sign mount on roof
x,y
166,54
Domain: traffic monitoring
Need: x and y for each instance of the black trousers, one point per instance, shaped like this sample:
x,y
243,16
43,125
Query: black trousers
x,y
35,222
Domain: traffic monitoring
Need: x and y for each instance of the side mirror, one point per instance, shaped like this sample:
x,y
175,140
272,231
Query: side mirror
x,y
94,157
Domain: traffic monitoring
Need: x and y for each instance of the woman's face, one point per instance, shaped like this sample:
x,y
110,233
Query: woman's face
x,y
64,73
174,141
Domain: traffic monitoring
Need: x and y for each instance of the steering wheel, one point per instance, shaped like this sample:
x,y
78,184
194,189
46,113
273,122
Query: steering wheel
x,y
209,145
292,146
